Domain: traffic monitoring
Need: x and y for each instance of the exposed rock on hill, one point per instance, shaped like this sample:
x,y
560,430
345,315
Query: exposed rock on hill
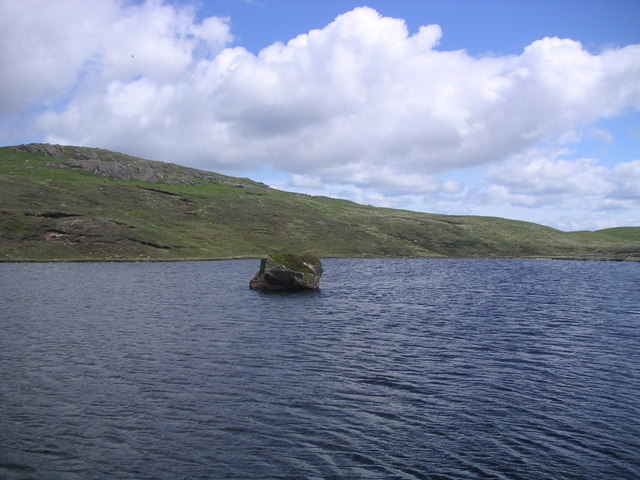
x,y
118,166
287,272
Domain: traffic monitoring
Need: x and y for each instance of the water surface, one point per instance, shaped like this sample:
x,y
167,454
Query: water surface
x,y
396,369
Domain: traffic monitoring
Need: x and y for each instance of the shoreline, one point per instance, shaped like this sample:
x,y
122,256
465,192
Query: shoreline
x,y
577,258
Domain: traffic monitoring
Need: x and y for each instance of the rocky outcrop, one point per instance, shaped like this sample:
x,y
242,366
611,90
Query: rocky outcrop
x,y
118,166
288,273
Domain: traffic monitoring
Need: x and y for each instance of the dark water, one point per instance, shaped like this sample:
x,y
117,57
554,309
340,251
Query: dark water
x,y
397,369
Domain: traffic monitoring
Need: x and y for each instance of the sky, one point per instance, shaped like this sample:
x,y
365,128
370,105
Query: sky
x,y
523,109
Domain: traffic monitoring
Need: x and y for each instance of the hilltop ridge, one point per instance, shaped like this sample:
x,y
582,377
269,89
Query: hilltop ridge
x,y
81,203
119,166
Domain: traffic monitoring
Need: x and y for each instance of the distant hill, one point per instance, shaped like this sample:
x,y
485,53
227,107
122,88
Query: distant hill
x,y
623,233
76,203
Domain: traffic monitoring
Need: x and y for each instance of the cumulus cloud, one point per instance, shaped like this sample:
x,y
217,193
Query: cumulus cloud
x,y
57,52
362,103
626,178
572,185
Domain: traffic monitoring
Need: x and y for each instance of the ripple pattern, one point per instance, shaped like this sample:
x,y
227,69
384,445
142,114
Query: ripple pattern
x,y
396,369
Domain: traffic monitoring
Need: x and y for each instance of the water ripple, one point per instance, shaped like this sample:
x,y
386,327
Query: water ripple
x,y
396,369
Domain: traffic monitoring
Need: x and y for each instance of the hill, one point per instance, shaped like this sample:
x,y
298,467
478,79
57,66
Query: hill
x,y
76,203
623,233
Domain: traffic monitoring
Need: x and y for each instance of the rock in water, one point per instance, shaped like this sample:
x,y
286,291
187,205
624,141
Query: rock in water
x,y
286,272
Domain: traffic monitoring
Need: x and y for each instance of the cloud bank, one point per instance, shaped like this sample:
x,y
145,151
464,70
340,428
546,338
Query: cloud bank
x,y
361,108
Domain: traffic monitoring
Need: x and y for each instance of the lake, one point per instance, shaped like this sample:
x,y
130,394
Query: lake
x,y
395,369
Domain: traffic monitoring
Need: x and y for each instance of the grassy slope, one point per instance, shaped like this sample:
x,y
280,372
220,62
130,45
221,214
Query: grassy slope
x,y
631,234
53,213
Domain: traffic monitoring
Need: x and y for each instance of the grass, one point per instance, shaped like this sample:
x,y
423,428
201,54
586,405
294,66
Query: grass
x,y
53,213
631,234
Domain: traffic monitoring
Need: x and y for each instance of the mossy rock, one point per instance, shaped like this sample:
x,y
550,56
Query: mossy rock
x,y
298,263
288,272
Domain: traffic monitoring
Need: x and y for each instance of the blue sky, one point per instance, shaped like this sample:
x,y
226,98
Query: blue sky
x,y
520,109
478,26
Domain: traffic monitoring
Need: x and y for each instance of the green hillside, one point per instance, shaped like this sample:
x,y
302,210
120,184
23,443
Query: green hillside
x,y
631,234
75,203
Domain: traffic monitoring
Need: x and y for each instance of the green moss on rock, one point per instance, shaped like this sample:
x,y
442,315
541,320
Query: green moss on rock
x,y
297,263
288,272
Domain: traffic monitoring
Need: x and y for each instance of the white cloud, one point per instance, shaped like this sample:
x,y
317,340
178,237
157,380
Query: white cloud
x,y
546,176
71,49
39,59
578,185
361,104
626,177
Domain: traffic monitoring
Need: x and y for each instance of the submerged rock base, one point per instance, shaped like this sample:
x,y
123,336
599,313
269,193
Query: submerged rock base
x,y
285,272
